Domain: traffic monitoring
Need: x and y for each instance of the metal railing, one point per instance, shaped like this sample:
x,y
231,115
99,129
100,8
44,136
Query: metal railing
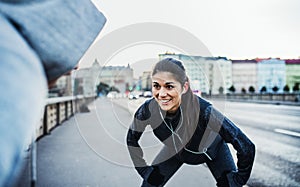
x,y
59,109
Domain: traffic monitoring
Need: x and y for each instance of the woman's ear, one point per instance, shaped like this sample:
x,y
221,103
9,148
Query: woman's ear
x,y
185,87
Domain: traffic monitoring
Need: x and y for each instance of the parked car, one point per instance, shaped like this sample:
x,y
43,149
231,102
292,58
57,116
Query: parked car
x,y
147,94
133,95
112,94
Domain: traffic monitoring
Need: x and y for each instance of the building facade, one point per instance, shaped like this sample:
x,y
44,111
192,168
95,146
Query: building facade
x,y
87,79
292,73
271,73
145,79
244,75
83,82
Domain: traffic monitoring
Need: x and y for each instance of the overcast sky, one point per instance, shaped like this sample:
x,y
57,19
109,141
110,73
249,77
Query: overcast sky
x,y
235,29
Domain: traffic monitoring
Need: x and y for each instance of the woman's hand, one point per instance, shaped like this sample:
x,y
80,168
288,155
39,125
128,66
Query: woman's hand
x,y
234,179
155,178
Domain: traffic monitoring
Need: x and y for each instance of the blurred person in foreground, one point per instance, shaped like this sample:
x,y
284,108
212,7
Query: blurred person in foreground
x,y
191,129
40,41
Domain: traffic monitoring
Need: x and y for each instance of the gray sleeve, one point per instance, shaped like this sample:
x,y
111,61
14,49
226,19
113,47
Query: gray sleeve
x,y
232,134
59,31
133,136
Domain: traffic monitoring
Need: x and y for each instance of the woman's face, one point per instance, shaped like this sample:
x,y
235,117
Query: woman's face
x,y
167,91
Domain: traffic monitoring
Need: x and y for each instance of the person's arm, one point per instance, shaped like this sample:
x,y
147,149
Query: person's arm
x,y
241,143
133,136
60,32
150,173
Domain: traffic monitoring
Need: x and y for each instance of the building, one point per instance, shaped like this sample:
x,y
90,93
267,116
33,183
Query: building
x,y
146,83
210,75
62,87
244,75
271,73
83,82
117,77
120,77
292,72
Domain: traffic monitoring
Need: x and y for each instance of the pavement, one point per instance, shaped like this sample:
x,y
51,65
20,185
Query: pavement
x,y
89,150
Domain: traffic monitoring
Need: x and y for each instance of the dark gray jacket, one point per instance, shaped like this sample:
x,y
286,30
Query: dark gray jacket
x,y
213,129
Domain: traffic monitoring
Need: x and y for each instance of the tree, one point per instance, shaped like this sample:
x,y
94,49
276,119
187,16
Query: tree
x,y
102,88
296,87
243,90
286,89
263,89
232,89
113,88
275,89
251,89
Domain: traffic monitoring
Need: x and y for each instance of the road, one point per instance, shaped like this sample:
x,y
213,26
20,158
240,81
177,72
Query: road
x,y
275,130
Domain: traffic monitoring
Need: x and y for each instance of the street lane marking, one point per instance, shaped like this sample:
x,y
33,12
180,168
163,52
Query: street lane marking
x,y
292,133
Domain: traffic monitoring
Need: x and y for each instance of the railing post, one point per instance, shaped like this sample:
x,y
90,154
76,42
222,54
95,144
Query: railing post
x,y
57,114
45,121
66,110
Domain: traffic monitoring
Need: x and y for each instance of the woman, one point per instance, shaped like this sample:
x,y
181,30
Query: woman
x,y
192,131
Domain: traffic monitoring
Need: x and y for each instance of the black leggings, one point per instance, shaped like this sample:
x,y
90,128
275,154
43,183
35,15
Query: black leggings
x,y
219,166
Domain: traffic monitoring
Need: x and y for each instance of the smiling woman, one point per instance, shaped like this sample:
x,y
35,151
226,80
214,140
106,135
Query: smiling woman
x,y
191,129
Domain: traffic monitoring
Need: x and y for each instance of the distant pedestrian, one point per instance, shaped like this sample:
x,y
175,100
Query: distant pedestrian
x,y
40,40
191,129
